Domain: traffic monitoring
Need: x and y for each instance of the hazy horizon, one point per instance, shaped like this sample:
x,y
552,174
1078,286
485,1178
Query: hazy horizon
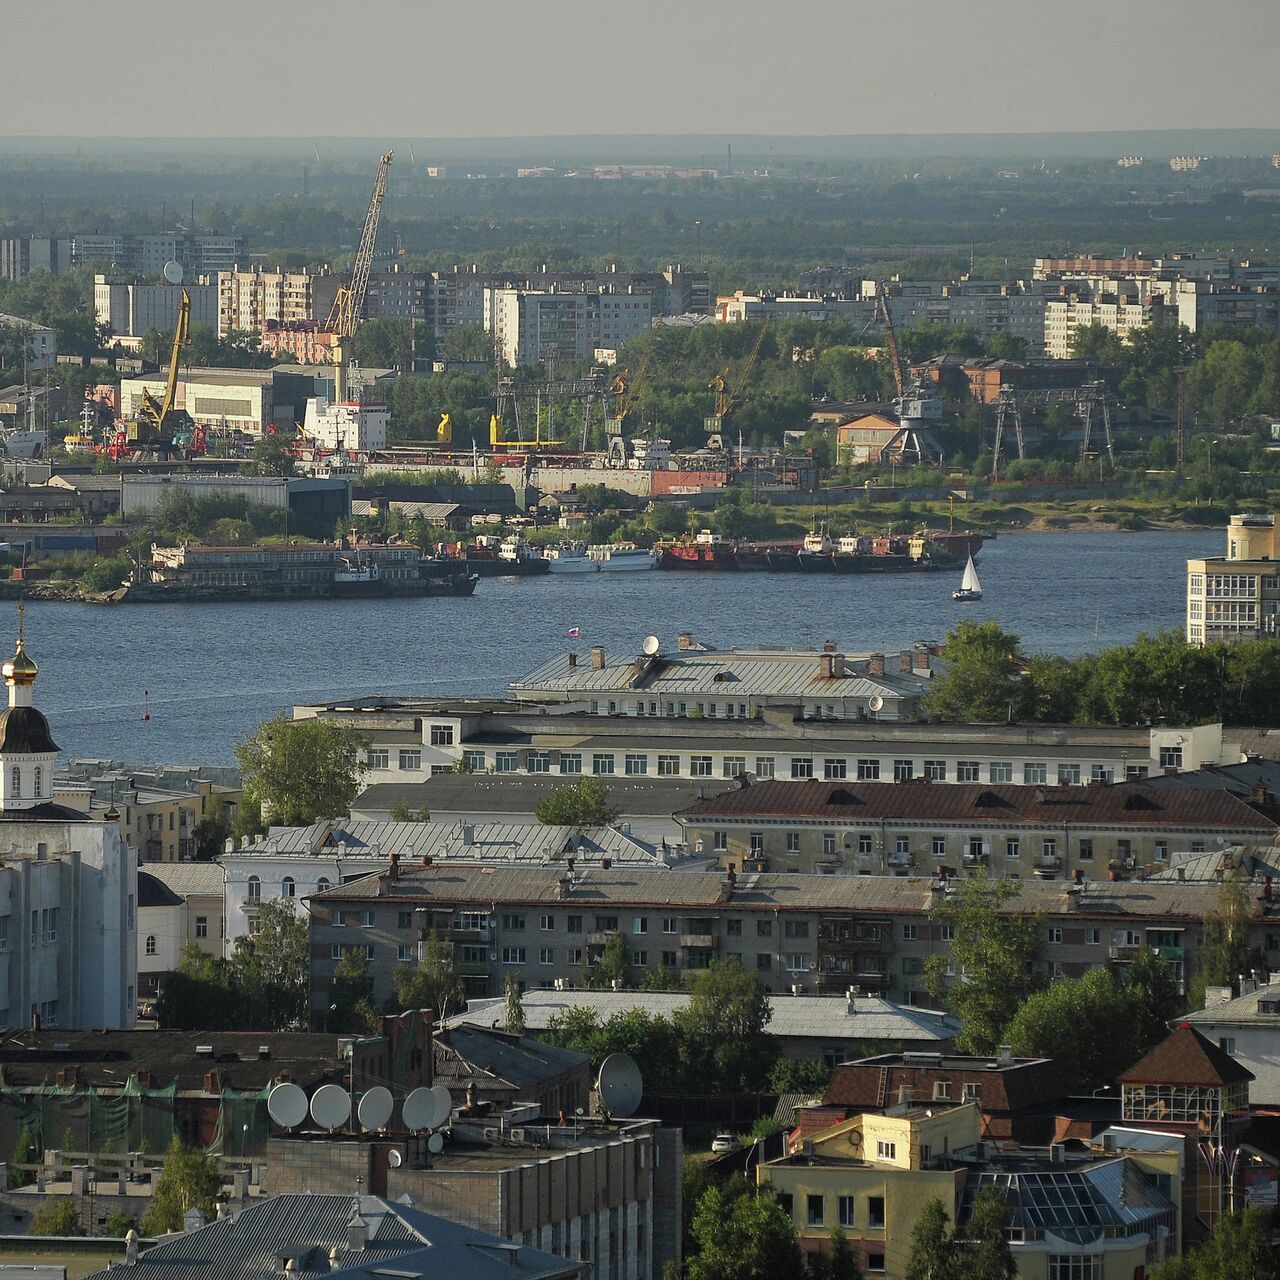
x,y
560,69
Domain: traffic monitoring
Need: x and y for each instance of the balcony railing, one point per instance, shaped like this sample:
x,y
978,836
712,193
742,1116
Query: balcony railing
x,y
698,940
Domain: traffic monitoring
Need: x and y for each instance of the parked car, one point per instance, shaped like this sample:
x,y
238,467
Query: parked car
x,y
723,1142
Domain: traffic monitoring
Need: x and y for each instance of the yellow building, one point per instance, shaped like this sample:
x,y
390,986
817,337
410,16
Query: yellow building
x,y
1236,596
1097,1214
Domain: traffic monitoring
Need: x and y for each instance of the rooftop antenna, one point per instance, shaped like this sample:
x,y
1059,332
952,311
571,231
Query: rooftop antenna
x,y
620,1085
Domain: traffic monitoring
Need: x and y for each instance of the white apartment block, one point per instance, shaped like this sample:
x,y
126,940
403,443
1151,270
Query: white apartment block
x,y
1122,315
248,299
21,255
129,310
532,326
1236,596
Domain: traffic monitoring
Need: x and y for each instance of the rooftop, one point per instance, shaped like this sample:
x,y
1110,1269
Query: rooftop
x,y
1185,1057
519,1060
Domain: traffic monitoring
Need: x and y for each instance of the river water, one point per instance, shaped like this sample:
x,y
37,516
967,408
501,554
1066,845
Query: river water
x,y
210,672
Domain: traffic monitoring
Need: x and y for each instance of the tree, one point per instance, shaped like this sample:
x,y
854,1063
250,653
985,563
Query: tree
x,y
725,1045
982,680
119,1224
985,1250
56,1218
613,966
749,1237
211,832
24,1152
433,983
842,1262
352,994
295,771
933,1252
582,804
512,1010
1239,1249
1227,951
804,1075
188,1179
994,951
270,969
272,456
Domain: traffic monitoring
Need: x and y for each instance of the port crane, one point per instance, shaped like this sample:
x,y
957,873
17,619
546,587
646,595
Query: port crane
x,y
729,396
348,302
916,405
625,390
891,338
1093,401
159,423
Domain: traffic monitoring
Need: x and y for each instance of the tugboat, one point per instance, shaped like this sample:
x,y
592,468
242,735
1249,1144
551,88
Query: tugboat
x,y
817,551
708,550
970,588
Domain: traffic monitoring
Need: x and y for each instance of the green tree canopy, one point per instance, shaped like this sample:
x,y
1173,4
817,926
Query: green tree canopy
x,y
748,1237
188,1179
982,680
56,1217
433,983
723,1027
581,804
1239,1249
933,1252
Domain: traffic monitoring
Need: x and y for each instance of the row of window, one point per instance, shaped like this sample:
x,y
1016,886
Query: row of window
x,y
288,887
975,848
515,922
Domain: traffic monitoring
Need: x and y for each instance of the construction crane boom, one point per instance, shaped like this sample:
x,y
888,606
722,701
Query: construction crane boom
x,y
882,299
157,413
728,396
348,302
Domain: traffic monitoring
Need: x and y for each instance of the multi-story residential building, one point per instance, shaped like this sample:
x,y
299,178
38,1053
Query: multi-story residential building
x,y
68,886
129,310
825,933
856,827
21,255
1104,1215
532,326
194,913
247,300
40,341
1122,313
147,254
1236,596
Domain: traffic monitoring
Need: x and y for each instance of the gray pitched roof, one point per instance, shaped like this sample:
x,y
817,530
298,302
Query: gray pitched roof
x,y
519,1060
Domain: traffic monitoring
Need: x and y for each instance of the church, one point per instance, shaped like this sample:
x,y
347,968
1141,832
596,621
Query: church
x,y
68,884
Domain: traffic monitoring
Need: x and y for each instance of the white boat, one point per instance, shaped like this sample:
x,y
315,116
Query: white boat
x,y
970,587
354,570
570,557
514,550
615,556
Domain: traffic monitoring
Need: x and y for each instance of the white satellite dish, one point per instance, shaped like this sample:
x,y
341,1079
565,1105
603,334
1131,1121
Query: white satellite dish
x,y
620,1086
651,646
331,1106
173,271
443,1101
418,1109
875,702
287,1105
375,1107
435,1144
394,1158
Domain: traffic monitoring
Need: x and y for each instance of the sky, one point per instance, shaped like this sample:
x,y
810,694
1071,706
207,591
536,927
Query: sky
x,y
500,68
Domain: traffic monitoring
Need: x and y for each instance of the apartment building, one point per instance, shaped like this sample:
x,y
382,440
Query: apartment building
x,y
40,341
1121,313
533,326
21,255
543,925
856,827
147,254
247,300
1236,596
129,310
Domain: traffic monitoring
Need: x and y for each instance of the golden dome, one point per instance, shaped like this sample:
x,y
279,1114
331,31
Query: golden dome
x,y
20,669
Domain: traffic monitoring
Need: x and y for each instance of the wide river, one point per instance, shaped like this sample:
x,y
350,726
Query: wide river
x,y
210,672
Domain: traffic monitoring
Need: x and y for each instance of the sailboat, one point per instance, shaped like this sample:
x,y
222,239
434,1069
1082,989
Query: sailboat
x,y
970,587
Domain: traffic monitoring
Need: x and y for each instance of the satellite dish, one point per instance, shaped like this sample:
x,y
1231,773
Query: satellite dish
x,y
331,1106
287,1105
620,1086
435,1144
375,1108
418,1109
875,702
173,272
394,1158
651,646
443,1100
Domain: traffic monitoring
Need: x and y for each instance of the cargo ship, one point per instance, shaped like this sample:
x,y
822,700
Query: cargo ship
x,y
705,551
820,553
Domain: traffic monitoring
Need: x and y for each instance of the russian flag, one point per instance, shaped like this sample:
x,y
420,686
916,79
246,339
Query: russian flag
x,y
574,632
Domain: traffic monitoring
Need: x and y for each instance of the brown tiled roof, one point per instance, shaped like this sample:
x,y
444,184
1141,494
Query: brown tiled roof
x,y
1025,1082
1187,1057
1123,804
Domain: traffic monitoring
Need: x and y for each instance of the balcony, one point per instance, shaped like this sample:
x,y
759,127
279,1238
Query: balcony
x,y
1123,953
602,937
900,859
1047,868
698,941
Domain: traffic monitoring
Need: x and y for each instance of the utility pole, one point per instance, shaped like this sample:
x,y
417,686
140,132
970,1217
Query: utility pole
x,y
1180,371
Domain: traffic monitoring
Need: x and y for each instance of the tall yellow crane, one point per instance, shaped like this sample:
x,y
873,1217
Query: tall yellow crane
x,y
882,301
729,395
158,421
348,302
625,391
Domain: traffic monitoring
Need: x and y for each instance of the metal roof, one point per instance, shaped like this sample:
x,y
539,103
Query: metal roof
x,y
519,1060
1240,1011
806,1017
189,879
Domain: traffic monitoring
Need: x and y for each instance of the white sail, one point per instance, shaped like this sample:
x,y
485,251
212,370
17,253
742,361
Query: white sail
x,y
970,580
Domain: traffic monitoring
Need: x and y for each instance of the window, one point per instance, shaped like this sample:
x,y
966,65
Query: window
x,y
1068,775
379,758
864,842
442,735
506,762
670,960
513,955
602,764
834,769
868,770
910,932
16,784
828,844
971,1092
1171,757
1049,850
473,761
1035,774
539,762
935,770
755,842
902,846
406,953
845,1210
1161,851
801,767
570,762
606,924
797,962
1086,850
151,944
513,922
813,1210
733,928
410,760
764,928
734,765
202,926
288,889
904,770
1000,771
764,766
875,1261
546,955
669,924
546,923
793,842
640,959
795,929
1076,1266
700,766
764,962
575,956
966,771
1092,937
573,924
322,884
946,933
875,1217
1101,773
254,889
886,1150
941,1090
1012,848
1053,936
1227,1044
668,766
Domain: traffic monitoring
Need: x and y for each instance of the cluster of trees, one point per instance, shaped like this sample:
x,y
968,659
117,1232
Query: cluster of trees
x,y
1241,1248
1159,677
584,803
978,1250
1093,1027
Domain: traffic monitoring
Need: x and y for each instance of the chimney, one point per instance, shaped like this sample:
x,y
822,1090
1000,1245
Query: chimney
x,y
468,835
904,662
395,866
1006,1055
357,1234
923,659
426,859
597,658
826,663
684,641
193,1219
573,660
1182,873
131,1248
606,863
875,664
837,666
